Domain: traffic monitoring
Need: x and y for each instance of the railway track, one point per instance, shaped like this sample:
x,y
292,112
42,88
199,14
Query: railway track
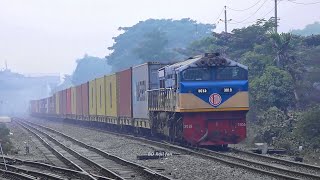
x,y
90,159
297,166
8,174
261,164
41,170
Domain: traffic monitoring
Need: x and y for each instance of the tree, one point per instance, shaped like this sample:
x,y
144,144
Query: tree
x,y
89,68
153,48
310,29
256,62
273,123
284,46
273,88
131,45
308,128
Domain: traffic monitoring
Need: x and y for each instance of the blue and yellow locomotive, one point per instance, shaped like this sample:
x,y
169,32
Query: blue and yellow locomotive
x,y
203,101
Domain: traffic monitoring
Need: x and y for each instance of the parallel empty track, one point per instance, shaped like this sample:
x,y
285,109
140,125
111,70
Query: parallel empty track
x,y
90,159
41,170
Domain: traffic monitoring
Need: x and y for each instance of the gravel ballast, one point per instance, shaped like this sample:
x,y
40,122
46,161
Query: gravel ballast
x,y
182,166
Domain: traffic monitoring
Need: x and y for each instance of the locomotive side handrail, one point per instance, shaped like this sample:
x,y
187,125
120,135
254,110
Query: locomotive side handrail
x,y
163,99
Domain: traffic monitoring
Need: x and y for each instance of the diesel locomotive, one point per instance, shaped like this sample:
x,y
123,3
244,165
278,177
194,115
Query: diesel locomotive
x,y
201,101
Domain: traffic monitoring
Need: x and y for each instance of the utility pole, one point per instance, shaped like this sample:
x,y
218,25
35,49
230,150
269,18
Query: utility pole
x,y
225,20
276,15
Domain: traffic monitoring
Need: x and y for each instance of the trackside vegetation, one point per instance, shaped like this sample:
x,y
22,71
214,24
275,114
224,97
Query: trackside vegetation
x,y
284,71
5,139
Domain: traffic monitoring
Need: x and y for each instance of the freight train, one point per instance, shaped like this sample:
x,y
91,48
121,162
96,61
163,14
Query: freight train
x,y
201,101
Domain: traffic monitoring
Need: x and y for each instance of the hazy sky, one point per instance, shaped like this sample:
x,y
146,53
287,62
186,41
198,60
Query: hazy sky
x,y
47,36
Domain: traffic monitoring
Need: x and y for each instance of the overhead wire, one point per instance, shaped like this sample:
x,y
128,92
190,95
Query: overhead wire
x,y
261,17
219,15
238,22
246,8
301,3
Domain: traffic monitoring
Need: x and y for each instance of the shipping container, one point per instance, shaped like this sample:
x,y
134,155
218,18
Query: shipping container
x,y
92,98
37,106
51,105
33,106
68,103
144,78
101,96
73,100
85,98
44,106
124,93
63,102
111,95
57,103
78,101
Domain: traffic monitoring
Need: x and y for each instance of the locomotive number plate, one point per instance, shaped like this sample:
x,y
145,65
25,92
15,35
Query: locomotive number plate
x,y
241,124
227,90
202,90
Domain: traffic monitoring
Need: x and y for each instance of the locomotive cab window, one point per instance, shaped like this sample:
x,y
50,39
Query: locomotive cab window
x,y
231,73
214,74
196,74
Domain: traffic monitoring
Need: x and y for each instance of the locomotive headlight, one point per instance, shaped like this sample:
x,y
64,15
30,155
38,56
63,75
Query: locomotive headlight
x,y
202,90
227,90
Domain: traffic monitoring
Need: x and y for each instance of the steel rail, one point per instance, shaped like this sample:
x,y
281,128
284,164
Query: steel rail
x,y
278,160
15,175
86,175
144,170
275,171
56,169
36,174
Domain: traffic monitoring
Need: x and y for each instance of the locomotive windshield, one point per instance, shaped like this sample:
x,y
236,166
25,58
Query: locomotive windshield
x,y
231,73
197,74
214,73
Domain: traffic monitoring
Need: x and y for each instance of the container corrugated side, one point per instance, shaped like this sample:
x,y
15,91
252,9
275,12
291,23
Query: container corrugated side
x,y
68,101
92,98
64,102
57,98
111,95
101,99
78,101
124,93
85,98
73,100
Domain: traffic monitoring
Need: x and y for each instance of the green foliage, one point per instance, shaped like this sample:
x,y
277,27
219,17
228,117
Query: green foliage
x,y
313,40
273,88
284,79
89,68
153,48
204,45
273,124
154,39
4,138
308,128
308,30
256,62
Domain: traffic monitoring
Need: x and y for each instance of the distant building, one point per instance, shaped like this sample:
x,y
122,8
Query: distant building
x,y
17,90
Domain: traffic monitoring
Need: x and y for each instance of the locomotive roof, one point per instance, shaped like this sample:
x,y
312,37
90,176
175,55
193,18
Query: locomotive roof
x,y
194,62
